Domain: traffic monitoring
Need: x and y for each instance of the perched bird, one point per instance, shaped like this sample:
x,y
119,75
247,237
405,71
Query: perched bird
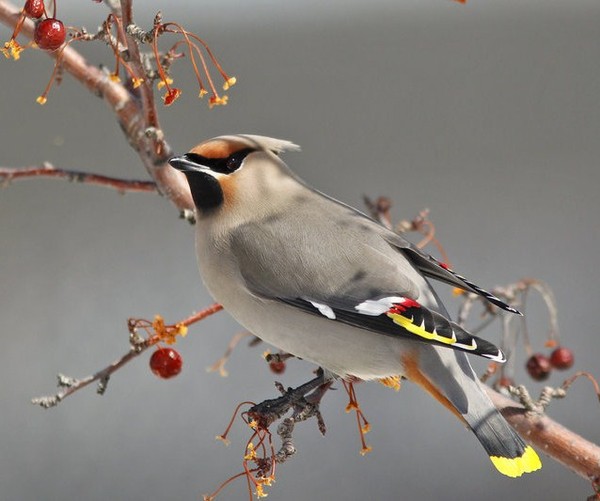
x,y
324,282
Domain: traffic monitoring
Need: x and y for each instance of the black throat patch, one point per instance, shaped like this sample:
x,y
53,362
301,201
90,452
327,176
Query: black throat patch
x,y
206,191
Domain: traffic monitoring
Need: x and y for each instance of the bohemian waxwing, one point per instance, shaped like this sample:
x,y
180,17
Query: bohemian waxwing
x,y
322,281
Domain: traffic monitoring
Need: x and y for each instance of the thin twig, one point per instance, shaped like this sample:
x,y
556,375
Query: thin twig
x,y
219,365
138,346
202,314
567,384
71,385
9,174
380,210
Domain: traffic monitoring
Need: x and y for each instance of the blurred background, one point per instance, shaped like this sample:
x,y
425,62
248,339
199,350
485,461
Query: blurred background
x,y
487,114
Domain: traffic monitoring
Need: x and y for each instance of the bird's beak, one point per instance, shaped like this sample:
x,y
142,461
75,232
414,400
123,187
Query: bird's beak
x,y
184,164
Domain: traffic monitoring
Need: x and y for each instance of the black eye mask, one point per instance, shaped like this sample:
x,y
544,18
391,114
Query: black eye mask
x,y
222,165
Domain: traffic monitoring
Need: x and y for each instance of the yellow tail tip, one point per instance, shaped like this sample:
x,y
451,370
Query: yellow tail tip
x,y
515,467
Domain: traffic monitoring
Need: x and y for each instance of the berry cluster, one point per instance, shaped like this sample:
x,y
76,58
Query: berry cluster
x,y
49,32
539,366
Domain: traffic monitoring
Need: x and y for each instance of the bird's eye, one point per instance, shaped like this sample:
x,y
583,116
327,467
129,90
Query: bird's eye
x,y
234,161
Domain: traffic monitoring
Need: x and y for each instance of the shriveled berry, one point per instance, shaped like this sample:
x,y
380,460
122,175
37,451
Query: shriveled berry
x,y
166,363
277,366
562,358
538,366
34,8
49,34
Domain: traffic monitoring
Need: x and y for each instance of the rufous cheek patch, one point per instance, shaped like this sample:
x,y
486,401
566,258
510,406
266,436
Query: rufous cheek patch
x,y
228,187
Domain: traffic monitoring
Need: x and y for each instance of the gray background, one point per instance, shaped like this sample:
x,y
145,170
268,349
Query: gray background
x,y
488,114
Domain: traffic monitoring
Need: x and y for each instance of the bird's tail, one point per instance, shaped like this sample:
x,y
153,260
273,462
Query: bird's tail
x,y
447,375
507,451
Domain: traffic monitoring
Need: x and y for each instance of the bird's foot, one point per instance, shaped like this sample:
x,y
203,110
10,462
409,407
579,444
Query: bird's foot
x,y
304,401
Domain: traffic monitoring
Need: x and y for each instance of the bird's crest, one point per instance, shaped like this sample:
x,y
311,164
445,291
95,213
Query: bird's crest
x,y
272,144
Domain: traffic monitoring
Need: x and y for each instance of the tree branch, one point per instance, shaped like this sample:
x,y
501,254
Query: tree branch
x,y
162,150
8,174
138,344
561,444
143,136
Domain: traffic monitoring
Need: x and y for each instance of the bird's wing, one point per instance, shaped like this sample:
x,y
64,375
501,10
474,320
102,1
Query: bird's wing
x,y
432,268
348,275
426,264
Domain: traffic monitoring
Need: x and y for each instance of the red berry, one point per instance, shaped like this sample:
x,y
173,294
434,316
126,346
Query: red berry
x,y
34,8
277,366
562,358
538,366
49,34
166,363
